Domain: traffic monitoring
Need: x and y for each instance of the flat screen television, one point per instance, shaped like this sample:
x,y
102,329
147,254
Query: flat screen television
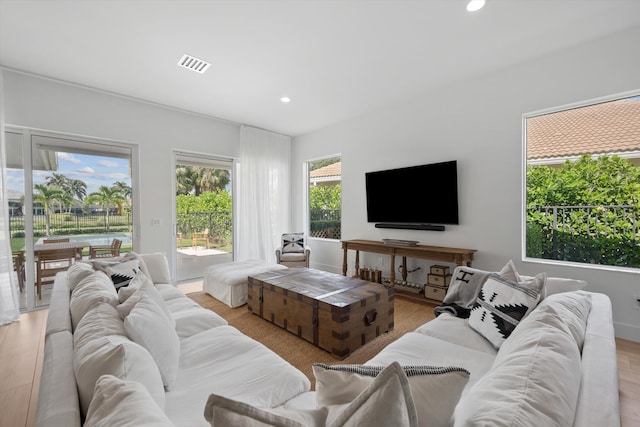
x,y
413,196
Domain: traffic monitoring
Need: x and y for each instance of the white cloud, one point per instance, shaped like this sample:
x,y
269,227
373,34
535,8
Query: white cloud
x,y
68,157
108,163
86,169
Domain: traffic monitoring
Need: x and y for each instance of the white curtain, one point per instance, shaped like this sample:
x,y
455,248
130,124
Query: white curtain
x,y
263,196
9,306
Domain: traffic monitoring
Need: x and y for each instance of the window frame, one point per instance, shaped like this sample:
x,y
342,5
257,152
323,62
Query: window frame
x,y
307,196
523,201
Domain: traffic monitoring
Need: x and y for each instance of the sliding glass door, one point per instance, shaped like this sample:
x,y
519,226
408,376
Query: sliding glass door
x,y
204,207
74,192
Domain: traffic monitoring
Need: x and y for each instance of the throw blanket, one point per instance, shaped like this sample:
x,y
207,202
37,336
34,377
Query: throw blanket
x,y
465,285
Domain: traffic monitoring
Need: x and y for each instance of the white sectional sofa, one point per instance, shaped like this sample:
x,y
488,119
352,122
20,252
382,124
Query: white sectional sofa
x,y
556,368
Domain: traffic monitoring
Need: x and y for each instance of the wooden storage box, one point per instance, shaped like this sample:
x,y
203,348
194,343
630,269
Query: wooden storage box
x,y
334,312
437,280
434,292
440,270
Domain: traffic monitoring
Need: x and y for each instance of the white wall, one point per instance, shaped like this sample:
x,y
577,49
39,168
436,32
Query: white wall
x,y
479,124
44,104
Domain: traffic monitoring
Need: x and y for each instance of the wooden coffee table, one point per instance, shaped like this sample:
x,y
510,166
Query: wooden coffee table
x,y
334,312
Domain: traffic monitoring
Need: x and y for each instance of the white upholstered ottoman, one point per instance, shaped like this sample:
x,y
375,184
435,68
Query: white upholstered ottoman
x,y
228,282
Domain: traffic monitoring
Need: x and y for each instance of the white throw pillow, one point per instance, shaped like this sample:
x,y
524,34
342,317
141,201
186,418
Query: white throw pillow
x,y
556,285
148,326
145,289
118,356
194,320
534,380
76,272
123,403
101,321
387,401
435,390
502,304
90,292
158,267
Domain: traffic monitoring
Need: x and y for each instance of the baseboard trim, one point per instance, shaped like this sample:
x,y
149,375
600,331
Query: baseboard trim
x,y
626,331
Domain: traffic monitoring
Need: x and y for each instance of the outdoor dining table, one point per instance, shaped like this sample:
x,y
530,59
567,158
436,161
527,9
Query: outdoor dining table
x,y
45,253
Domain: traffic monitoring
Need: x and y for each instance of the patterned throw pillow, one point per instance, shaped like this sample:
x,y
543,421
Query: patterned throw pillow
x,y
121,273
502,304
292,243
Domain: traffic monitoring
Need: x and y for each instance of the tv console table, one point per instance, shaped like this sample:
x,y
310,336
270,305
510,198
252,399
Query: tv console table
x,y
436,253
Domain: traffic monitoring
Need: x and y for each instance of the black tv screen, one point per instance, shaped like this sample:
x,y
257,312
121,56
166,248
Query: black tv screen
x,y
426,194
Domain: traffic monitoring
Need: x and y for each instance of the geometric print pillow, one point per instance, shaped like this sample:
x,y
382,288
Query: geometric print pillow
x,y
292,243
120,273
502,304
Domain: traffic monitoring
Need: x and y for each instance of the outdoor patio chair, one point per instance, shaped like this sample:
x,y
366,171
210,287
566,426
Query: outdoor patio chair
x,y
18,267
105,251
63,240
51,262
204,236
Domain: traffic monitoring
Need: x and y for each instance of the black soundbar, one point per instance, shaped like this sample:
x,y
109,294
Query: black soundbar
x,y
406,226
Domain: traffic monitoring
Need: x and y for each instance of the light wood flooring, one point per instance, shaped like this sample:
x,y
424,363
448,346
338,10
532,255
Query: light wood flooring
x,y
21,353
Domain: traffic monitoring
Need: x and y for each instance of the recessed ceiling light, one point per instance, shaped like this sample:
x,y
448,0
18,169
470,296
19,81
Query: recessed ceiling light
x,y
194,64
474,5
285,99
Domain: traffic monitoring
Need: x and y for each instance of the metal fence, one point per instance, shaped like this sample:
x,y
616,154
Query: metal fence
x,y
608,235
71,224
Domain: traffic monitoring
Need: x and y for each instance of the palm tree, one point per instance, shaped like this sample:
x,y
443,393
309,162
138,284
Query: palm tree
x,y
105,197
47,196
125,190
77,188
185,180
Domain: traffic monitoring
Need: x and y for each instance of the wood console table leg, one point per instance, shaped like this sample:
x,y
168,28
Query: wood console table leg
x,y
392,272
344,262
404,268
357,274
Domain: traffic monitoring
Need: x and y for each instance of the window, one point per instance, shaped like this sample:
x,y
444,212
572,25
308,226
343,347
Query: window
x,y
583,184
325,198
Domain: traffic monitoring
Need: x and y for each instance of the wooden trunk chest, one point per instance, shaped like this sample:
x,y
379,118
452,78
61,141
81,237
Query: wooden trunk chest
x,y
334,312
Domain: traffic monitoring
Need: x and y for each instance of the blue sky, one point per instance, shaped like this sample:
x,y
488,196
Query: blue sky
x,y
93,170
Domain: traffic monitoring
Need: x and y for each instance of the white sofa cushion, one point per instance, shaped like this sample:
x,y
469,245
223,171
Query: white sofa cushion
x,y
224,361
502,304
435,390
191,318
76,272
386,401
148,326
169,291
118,356
535,378
555,285
123,403
157,267
140,288
101,321
90,291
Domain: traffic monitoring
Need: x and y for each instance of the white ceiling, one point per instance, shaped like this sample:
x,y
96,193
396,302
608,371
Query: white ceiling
x,y
335,59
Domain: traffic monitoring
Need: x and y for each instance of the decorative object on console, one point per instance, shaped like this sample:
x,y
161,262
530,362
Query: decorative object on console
x,y
438,281
398,242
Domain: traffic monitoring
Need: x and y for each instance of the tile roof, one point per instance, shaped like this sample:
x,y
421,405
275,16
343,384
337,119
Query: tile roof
x,y
334,169
610,127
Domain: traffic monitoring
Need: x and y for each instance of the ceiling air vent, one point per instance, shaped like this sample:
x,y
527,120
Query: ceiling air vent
x,y
193,63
